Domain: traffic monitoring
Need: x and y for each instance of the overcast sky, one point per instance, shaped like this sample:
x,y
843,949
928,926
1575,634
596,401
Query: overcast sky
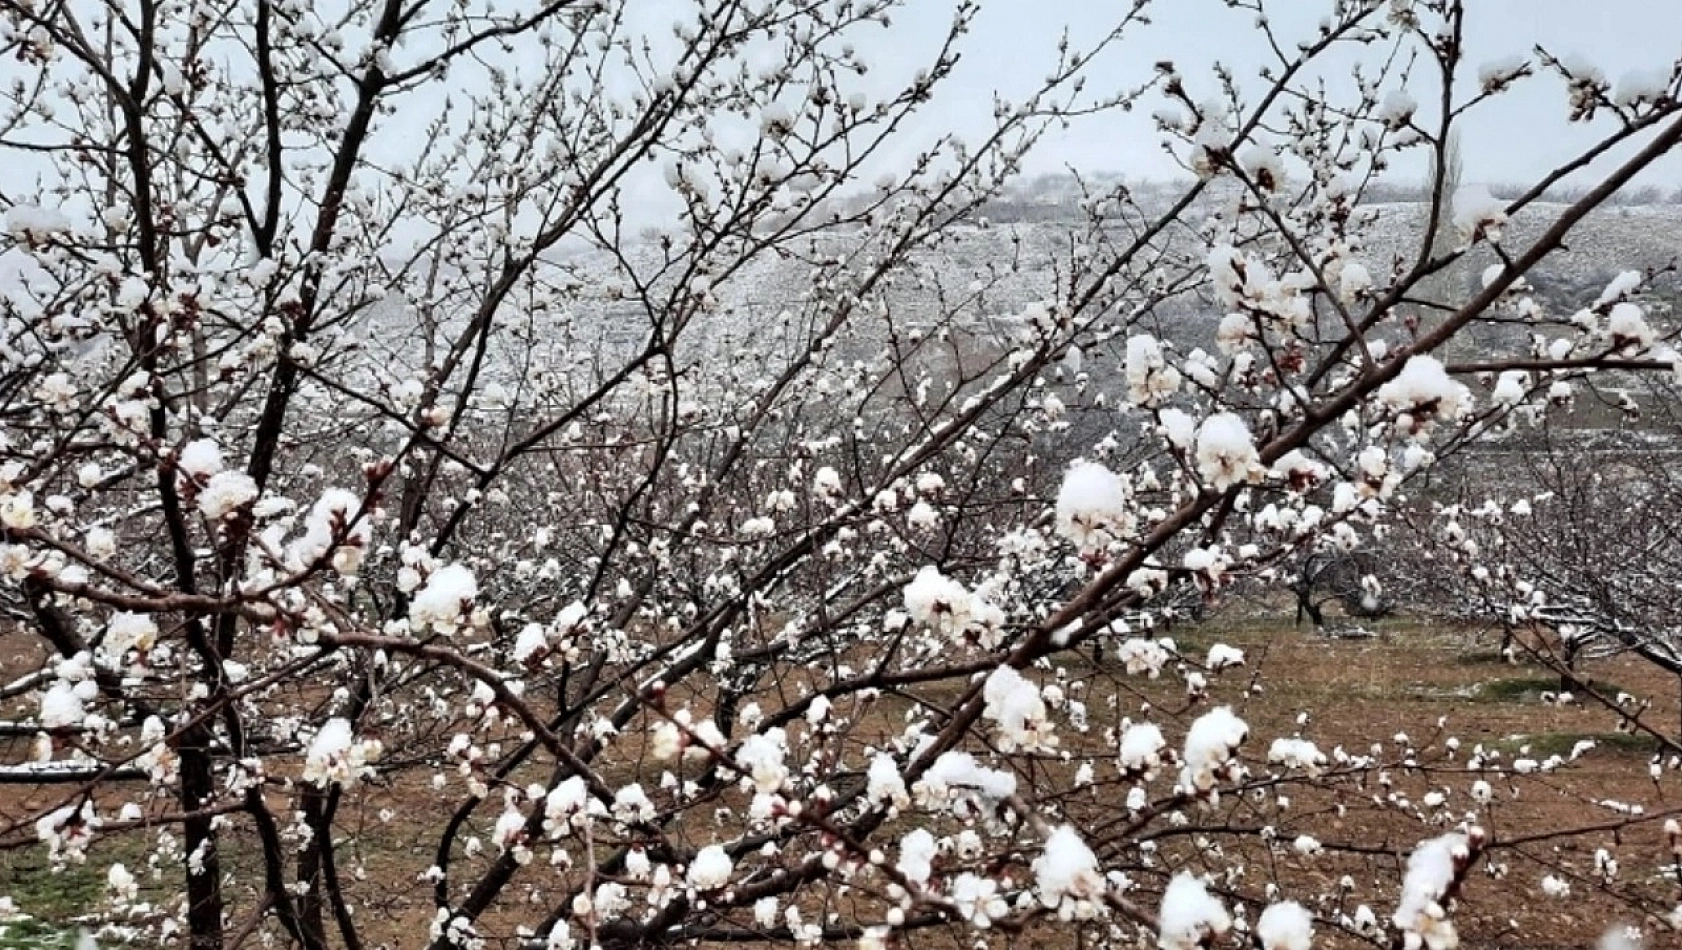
x,y
1518,137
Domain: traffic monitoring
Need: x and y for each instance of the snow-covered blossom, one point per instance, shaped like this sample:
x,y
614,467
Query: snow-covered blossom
x,y
61,706
1141,750
884,782
336,756
1354,280
328,519
1178,427
509,828
1619,287
120,883
916,856
1092,506
128,631
1139,655
1641,85
1150,377
225,493
1432,871
1210,744
68,831
922,515
1015,704
1264,167
1424,387
1285,926
1067,871
566,804
1397,108
711,868
101,543
17,511
632,805
1510,387
447,596
1628,327
200,459
1298,470
1222,656
826,483
1190,916
1233,276
1498,74
763,754
945,604
34,223
956,773
1295,753
1478,214
1226,452
531,642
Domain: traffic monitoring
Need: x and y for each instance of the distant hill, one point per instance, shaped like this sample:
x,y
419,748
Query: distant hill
x,y
991,271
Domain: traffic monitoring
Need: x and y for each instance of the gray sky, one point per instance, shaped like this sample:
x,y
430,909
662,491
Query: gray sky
x,y
1519,136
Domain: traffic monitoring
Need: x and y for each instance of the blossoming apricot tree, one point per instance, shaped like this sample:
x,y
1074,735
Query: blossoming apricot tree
x,y
370,471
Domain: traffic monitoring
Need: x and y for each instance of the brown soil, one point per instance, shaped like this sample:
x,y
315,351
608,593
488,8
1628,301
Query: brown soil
x,y
1428,685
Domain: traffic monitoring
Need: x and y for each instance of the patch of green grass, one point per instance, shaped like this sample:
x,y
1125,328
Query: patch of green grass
x,y
1515,689
1545,744
28,933
1525,689
53,898
1481,658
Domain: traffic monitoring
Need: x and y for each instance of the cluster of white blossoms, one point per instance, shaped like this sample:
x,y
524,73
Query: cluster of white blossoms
x,y
1433,869
337,756
1296,753
220,491
917,852
764,756
446,600
1226,452
710,869
1149,657
63,704
884,783
127,631
1141,750
1478,215
1210,752
568,806
332,531
945,605
68,831
1018,710
958,781
1254,298
1067,878
1150,377
1190,917
684,734
1094,506
1285,926
226,493
1424,390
